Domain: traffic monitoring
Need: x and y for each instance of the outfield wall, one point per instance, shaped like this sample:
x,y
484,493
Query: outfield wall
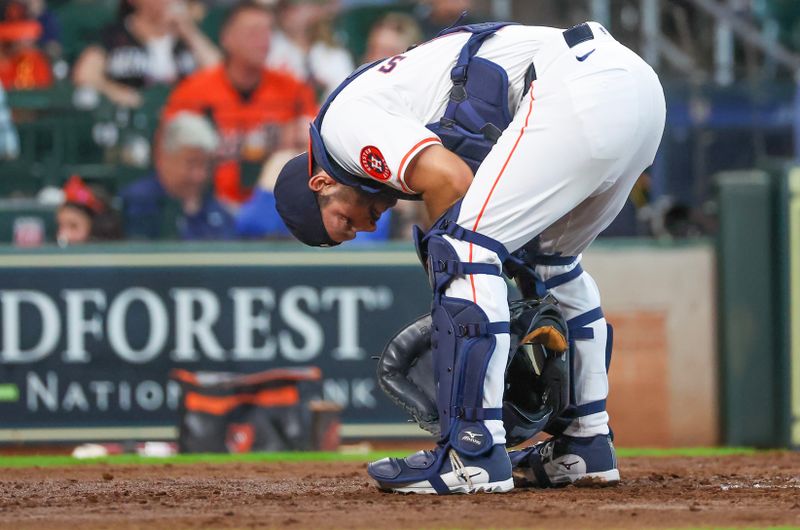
x,y
664,375
88,335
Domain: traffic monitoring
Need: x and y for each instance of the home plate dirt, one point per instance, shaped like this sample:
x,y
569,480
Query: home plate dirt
x,y
752,491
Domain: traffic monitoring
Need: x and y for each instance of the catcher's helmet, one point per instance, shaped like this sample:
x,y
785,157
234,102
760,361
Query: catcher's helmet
x,y
537,377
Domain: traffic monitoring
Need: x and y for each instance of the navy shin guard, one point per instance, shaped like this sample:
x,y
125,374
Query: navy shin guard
x,y
463,341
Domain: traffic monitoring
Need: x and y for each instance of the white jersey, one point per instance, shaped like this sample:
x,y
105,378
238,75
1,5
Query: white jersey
x,y
376,125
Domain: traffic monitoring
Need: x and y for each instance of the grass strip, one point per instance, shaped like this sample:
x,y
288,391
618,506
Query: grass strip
x,y
633,452
21,461
200,458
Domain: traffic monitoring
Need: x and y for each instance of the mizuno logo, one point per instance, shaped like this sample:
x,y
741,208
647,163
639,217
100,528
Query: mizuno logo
x,y
568,466
582,58
472,437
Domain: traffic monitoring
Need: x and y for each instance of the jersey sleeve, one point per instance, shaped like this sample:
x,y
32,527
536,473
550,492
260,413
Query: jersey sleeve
x,y
375,142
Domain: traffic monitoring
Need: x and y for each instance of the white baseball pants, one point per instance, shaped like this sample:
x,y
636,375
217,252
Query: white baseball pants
x,y
562,170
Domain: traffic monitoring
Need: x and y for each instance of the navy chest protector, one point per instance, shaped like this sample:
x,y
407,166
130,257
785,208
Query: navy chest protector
x,y
476,114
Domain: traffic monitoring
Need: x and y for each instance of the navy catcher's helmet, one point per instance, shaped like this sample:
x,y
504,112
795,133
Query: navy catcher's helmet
x,y
537,377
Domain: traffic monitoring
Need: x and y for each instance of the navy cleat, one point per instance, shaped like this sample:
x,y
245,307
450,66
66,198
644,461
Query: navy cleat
x,y
563,460
444,471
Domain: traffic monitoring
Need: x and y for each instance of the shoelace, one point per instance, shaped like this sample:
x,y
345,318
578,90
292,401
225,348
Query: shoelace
x,y
547,449
459,469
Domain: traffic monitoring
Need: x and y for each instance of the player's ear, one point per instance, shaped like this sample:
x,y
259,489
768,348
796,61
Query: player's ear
x,y
320,181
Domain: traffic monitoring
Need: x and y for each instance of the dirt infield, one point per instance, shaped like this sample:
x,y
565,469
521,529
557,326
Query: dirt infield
x,y
759,490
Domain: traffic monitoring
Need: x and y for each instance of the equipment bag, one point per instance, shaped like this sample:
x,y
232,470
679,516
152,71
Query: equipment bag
x,y
274,410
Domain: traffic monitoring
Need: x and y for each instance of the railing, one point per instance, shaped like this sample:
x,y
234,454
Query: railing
x,y
695,38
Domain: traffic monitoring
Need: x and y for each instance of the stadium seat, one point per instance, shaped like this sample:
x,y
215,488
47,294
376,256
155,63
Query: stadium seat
x,y
353,25
15,211
81,23
58,140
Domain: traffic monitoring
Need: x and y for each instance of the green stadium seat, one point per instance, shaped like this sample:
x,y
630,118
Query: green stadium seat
x,y
20,179
211,24
81,23
51,130
57,140
111,177
354,24
13,211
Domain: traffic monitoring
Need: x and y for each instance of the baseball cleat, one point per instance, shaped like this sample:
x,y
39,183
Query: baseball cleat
x,y
563,460
440,472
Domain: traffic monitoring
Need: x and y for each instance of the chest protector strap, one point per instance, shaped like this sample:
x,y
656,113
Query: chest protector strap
x,y
475,117
477,111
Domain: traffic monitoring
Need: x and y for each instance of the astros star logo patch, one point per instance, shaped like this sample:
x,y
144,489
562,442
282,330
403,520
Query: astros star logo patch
x,y
374,164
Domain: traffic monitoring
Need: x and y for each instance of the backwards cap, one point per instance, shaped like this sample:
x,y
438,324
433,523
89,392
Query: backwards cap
x,y
297,203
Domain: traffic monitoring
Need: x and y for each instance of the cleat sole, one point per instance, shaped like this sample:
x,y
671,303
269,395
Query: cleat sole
x,y
503,486
602,479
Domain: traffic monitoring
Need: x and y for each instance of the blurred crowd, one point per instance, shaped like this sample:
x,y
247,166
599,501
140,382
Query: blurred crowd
x,y
170,119
238,93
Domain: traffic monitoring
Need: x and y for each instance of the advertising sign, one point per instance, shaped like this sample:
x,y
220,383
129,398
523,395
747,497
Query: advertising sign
x,y
88,341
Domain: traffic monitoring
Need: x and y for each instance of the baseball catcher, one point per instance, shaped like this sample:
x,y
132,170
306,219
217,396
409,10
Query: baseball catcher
x,y
523,142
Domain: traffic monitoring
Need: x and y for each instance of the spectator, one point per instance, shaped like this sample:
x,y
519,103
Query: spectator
x,y
257,217
304,45
176,202
85,215
9,141
22,65
392,35
257,111
435,15
50,39
153,42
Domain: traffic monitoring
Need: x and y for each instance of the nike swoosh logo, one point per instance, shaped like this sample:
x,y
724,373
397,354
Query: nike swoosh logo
x,y
569,465
465,477
585,56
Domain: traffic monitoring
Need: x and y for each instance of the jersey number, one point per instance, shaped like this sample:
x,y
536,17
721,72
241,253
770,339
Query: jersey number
x,y
391,63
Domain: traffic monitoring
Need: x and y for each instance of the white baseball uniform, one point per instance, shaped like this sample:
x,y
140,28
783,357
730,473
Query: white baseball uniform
x,y
580,137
